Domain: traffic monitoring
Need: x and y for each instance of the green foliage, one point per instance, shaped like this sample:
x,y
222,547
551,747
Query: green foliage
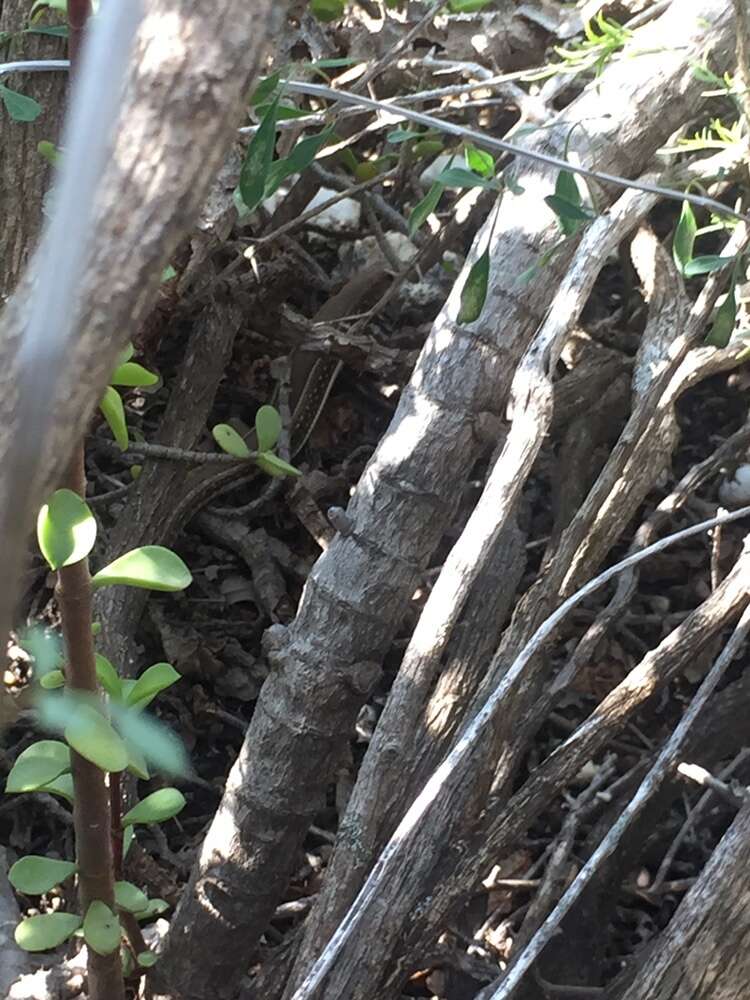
x,y
49,930
151,567
129,897
108,677
62,786
327,10
591,53
566,203
101,928
684,237
34,875
93,737
38,765
155,679
154,909
130,375
158,745
459,177
424,208
133,375
474,291
479,161
258,160
724,320
466,6
267,431
230,441
156,807
265,89
19,107
49,151
275,466
65,529
114,413
298,160
267,427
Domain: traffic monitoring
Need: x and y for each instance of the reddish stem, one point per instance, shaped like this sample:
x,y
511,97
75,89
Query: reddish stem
x,y
79,11
91,815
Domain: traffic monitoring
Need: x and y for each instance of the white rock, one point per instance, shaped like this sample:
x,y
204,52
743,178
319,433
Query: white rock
x,y
431,172
367,251
343,216
736,492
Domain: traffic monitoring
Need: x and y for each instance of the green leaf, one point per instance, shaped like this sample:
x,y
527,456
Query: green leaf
x,y
137,762
156,807
49,151
428,147
52,680
272,465
46,931
151,738
684,237
724,320
265,88
167,274
114,413
327,10
425,207
108,677
258,159
466,6
567,193
101,928
706,264
93,737
566,187
403,135
154,908
147,959
474,291
339,62
125,355
458,177
62,786
565,210
298,160
19,107
480,162
267,427
230,441
129,897
34,874
133,375
151,566
38,765
65,529
153,680
55,30
284,112
128,836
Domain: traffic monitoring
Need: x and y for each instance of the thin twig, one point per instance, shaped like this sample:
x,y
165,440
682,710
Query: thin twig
x,y
490,142
480,139
663,765
468,740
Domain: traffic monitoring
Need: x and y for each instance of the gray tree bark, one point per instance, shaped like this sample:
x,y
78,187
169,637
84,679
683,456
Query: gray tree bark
x,y
191,70
24,177
703,954
326,662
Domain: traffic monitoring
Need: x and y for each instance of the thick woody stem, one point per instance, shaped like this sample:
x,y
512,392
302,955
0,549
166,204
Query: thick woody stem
x,y
91,815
